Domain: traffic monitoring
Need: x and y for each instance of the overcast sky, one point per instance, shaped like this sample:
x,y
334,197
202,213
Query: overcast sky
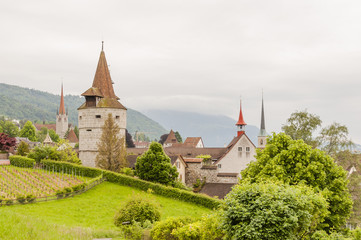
x,y
193,55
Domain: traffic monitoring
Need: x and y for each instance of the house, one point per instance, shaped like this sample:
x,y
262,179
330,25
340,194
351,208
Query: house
x,y
171,139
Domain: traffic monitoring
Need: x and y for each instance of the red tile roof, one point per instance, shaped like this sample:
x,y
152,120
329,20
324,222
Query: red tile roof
x,y
48,126
240,118
171,139
72,137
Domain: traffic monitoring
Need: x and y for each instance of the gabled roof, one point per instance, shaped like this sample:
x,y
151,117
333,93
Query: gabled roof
x,y
47,139
232,144
72,137
192,141
48,126
217,189
171,138
62,108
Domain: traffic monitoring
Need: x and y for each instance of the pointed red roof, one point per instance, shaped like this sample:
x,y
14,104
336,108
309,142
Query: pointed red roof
x,y
62,108
240,119
102,83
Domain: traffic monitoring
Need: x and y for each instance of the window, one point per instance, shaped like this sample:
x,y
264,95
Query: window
x,y
116,117
219,165
79,117
88,130
261,141
239,149
248,149
98,116
177,164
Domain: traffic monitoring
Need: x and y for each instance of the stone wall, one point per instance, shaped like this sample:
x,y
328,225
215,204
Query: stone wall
x,y
197,171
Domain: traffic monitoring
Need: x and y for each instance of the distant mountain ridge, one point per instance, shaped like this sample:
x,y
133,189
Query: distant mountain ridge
x,y
215,130
24,103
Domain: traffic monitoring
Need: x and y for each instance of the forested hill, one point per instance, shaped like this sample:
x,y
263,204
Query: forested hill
x,y
24,103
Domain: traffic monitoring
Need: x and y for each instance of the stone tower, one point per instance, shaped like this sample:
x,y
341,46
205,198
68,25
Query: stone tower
x,y
262,135
100,100
61,117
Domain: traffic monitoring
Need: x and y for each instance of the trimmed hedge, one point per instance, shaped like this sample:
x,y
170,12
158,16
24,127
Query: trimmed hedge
x,y
159,189
20,161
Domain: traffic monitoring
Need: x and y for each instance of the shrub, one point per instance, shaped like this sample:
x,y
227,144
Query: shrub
x,y
60,193
8,201
272,211
21,199
163,230
180,185
79,187
132,231
138,209
127,171
188,232
1,199
30,198
23,149
20,161
68,191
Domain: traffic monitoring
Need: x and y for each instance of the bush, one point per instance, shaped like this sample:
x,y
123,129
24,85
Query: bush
x,y
30,198
163,230
21,199
8,201
189,232
20,161
79,187
127,171
272,211
132,231
138,209
23,149
68,191
60,193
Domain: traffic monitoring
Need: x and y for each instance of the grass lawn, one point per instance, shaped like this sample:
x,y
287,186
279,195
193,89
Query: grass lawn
x,y
92,210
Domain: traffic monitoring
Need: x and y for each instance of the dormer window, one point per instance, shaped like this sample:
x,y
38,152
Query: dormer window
x,y
248,149
239,149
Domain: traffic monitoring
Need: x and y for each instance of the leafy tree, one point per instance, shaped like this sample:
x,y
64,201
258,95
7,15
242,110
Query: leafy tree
x,y
129,139
294,162
29,131
111,149
163,138
54,137
272,211
178,137
6,142
23,149
334,138
155,166
9,128
40,135
301,125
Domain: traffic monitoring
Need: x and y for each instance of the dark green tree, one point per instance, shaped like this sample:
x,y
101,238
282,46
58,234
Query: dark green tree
x,y
23,149
178,136
76,131
29,131
111,148
294,162
272,211
163,138
301,125
155,166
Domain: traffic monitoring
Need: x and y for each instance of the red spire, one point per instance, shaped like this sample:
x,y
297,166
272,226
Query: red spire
x,y
62,108
240,119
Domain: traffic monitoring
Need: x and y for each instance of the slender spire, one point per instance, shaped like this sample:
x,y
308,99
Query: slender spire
x,y
102,79
262,131
62,108
240,118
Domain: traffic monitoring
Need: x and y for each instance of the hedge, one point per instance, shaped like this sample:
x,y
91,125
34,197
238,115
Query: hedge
x,y
20,161
118,178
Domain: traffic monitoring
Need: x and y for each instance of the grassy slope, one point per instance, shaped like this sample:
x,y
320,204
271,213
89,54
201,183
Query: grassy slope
x,y
94,209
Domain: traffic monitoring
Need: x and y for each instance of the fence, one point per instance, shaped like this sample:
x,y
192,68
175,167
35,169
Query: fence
x,y
54,197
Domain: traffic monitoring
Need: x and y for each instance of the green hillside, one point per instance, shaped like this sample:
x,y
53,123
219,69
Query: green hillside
x,y
24,103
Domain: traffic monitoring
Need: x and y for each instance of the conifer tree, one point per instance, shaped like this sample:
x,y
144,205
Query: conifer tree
x,y
23,149
111,148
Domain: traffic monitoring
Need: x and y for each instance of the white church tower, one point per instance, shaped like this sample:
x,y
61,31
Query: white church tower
x,y
62,123
100,100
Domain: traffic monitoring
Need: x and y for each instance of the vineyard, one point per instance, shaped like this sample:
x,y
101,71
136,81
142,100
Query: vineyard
x,y
15,182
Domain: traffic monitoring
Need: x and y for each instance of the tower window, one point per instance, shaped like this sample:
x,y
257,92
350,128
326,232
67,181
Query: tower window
x,y
116,117
239,149
248,149
98,116
88,130
79,117
261,141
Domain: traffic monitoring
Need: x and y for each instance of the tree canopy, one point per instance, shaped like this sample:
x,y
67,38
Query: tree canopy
x,y
29,131
9,128
272,211
301,125
6,142
334,138
294,162
111,148
155,166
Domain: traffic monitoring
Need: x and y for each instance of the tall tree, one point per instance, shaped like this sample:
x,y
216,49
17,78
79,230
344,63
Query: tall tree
x,y
334,138
28,131
111,148
155,166
294,162
178,136
129,139
301,125
76,131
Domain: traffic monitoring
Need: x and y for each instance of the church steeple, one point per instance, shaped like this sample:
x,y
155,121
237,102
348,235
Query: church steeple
x,y
241,123
262,135
62,108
